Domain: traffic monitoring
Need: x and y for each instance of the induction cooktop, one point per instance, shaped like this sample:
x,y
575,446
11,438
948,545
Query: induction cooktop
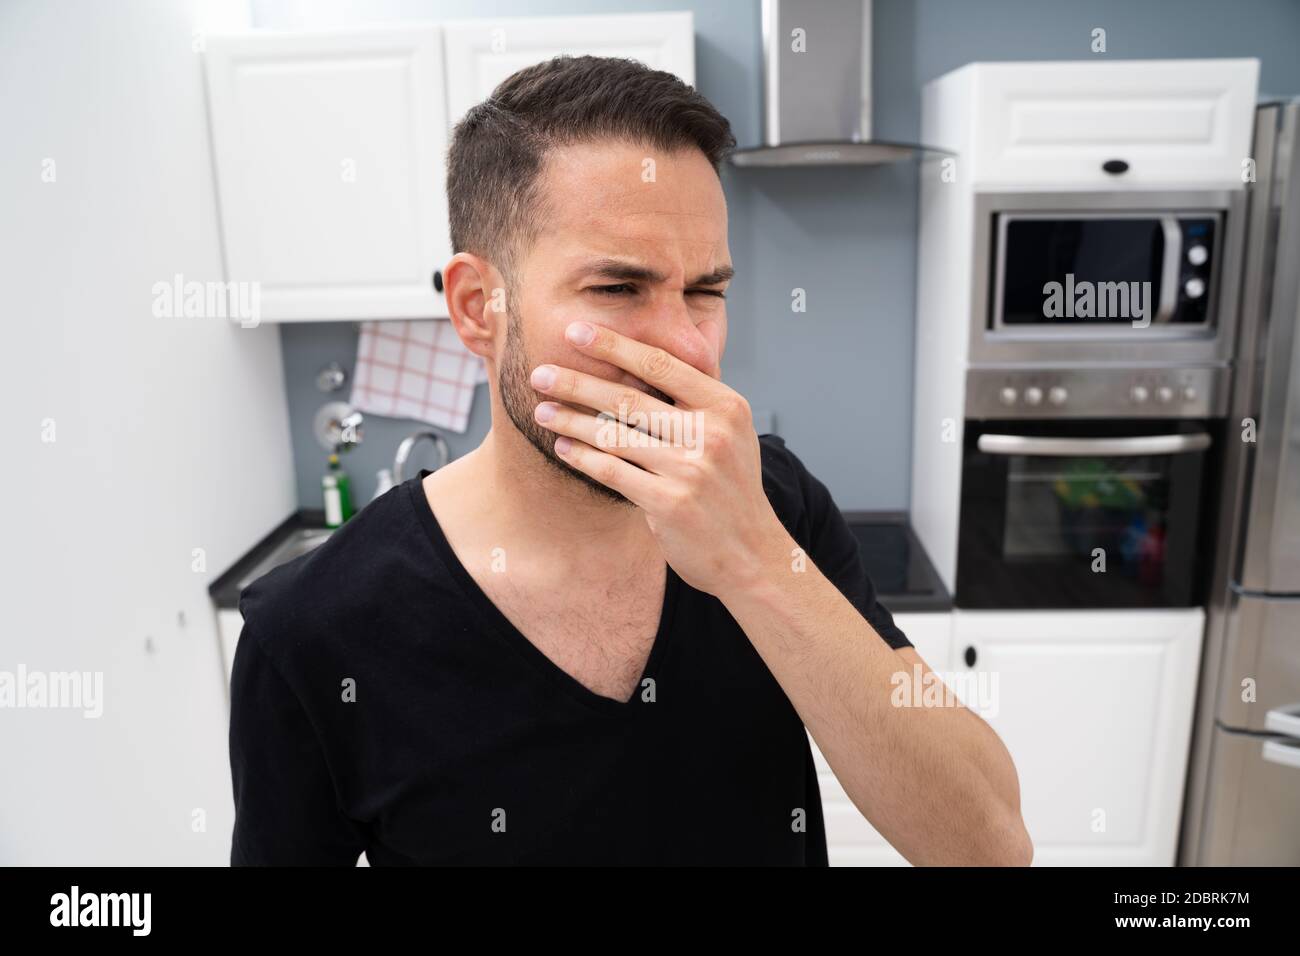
x,y
904,577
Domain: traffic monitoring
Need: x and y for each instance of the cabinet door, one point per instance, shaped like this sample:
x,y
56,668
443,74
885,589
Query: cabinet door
x,y
230,624
482,53
329,156
1171,121
1096,710
850,839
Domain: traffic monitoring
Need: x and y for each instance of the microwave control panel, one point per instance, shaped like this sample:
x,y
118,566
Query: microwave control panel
x,y
1195,262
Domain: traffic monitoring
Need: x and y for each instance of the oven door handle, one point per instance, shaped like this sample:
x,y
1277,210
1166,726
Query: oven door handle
x,y
1178,444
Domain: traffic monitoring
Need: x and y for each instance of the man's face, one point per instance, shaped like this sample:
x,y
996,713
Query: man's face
x,y
633,239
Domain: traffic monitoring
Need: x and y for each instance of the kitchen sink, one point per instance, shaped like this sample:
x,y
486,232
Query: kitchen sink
x,y
296,545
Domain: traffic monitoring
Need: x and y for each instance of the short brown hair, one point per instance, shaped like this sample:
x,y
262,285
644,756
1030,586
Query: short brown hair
x,y
499,149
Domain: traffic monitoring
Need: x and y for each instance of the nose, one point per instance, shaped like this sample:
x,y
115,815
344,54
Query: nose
x,y
673,327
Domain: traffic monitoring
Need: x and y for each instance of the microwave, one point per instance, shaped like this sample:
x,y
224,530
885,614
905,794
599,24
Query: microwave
x,y
1141,276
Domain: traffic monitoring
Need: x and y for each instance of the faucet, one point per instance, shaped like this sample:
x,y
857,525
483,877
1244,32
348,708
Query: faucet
x,y
409,442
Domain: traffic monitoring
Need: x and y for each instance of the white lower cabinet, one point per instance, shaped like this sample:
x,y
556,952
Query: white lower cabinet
x,y
230,624
1096,710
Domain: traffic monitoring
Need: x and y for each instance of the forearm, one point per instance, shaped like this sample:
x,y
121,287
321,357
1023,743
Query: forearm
x,y
935,781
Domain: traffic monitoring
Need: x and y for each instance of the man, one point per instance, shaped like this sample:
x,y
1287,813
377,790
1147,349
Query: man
x,y
597,638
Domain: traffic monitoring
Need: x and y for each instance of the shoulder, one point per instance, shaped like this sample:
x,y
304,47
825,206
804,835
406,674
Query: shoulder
x,y
337,590
797,497
810,515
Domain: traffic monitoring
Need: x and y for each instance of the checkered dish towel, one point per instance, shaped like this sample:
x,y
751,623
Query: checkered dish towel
x,y
416,370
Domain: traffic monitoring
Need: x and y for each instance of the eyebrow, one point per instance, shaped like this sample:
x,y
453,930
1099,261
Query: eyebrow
x,y
622,270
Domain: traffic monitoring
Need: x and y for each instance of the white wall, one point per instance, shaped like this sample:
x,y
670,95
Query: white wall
x,y
170,434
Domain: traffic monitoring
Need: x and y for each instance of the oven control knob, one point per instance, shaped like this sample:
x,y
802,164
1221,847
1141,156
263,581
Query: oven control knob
x,y
1033,395
1189,393
1194,288
1164,394
1198,255
1138,393
1007,396
1057,395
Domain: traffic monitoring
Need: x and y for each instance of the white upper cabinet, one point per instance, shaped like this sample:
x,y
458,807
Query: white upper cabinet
x,y
330,148
329,154
1168,122
482,53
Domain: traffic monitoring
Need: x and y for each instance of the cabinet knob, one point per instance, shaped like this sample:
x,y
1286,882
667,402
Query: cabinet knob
x,y
437,280
970,656
1115,166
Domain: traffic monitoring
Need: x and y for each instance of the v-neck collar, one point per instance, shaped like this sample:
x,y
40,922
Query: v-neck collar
x,y
495,619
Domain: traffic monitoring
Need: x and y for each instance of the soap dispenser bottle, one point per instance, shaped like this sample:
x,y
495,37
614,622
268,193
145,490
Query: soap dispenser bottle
x,y
337,491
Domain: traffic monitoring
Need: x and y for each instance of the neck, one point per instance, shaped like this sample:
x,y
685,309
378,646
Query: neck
x,y
515,489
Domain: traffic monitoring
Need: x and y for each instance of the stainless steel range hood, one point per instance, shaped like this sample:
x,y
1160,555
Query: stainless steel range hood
x,y
817,88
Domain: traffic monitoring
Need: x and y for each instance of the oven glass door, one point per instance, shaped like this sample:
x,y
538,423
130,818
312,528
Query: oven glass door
x,y
1085,514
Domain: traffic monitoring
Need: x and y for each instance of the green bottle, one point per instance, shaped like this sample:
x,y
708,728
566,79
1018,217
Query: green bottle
x,y
338,494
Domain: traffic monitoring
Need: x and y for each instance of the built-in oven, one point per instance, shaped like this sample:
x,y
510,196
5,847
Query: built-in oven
x,y
1136,276
1086,513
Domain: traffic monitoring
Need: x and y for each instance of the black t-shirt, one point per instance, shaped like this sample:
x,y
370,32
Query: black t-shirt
x,y
381,702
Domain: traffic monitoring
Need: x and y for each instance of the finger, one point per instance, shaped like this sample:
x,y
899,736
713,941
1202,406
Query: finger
x,y
654,366
605,434
634,484
624,402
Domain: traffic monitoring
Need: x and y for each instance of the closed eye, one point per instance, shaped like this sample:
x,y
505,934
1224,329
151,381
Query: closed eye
x,y
626,288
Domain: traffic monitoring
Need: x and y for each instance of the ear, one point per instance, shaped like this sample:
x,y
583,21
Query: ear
x,y
475,294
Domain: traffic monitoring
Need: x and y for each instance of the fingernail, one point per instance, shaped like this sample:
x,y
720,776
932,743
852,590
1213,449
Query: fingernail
x,y
545,412
580,333
543,376
562,445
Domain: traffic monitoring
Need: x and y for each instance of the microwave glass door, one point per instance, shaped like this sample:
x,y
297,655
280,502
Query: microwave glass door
x,y
1109,270
1082,514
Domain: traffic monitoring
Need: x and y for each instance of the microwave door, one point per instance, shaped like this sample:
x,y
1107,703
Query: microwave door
x,y
1069,271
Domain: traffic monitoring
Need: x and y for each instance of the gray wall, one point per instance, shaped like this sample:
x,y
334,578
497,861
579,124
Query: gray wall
x,y
838,379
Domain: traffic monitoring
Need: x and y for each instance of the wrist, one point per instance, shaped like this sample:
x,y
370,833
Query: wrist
x,y
769,554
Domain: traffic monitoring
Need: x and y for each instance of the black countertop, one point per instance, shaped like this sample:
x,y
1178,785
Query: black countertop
x,y
904,577
897,564
225,590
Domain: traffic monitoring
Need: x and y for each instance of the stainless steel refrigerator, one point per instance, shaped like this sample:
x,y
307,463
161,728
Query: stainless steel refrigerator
x,y
1243,795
